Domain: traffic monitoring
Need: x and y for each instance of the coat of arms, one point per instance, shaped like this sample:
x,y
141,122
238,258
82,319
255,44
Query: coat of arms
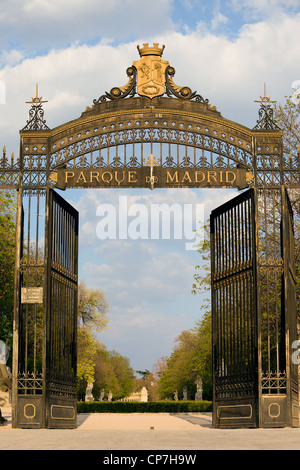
x,y
151,71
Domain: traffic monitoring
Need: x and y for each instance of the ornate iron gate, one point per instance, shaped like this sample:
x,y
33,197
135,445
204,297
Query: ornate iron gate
x,y
44,385
234,312
289,313
61,312
173,141
254,316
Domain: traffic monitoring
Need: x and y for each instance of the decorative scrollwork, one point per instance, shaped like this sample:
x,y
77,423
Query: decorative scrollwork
x,y
180,92
36,121
266,119
118,93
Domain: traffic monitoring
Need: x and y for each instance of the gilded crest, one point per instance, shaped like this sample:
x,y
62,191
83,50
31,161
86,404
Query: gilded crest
x,y
151,69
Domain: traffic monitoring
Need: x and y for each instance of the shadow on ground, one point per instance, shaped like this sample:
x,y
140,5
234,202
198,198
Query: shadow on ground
x,y
202,420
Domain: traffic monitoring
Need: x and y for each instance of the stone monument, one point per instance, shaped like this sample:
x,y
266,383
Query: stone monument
x,y
88,393
198,395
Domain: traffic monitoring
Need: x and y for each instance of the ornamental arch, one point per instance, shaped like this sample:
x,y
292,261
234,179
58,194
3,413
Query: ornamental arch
x,y
152,133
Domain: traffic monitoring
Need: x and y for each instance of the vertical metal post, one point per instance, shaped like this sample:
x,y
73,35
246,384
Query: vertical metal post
x,y
17,306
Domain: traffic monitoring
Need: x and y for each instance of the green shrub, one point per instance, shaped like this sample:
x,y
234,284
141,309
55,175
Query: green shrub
x,y
144,407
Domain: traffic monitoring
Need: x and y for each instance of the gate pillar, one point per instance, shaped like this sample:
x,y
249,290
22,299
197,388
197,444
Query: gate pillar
x,y
253,294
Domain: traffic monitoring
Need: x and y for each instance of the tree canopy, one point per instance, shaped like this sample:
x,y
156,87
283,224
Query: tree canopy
x,y
190,359
92,308
92,316
114,374
7,263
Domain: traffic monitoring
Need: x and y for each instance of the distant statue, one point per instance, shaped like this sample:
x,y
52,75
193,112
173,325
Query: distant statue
x,y
185,394
4,352
144,395
88,393
5,375
199,391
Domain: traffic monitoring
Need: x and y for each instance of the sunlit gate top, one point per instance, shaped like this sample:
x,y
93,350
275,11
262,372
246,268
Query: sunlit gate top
x,y
111,144
153,133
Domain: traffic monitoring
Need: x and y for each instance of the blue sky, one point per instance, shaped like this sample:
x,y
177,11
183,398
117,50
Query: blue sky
x,y
77,49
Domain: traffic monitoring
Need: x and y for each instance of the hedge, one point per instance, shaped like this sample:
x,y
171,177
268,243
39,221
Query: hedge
x,y
143,407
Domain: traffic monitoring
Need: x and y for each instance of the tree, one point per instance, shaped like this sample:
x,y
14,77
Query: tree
x,y
202,274
7,263
190,359
143,373
86,350
150,381
288,119
113,374
159,367
92,316
92,308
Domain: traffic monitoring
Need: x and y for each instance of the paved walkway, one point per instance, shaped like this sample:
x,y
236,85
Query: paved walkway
x,y
148,432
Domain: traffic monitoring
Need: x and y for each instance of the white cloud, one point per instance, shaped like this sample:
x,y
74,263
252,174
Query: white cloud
x,y
218,19
38,24
149,333
255,9
129,271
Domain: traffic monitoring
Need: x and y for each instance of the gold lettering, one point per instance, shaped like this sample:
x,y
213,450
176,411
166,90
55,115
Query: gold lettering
x,y
201,174
187,177
170,179
211,175
69,174
131,174
81,178
227,176
94,174
107,180
221,176
116,178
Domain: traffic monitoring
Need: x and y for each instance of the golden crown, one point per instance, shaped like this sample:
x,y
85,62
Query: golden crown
x,y
147,50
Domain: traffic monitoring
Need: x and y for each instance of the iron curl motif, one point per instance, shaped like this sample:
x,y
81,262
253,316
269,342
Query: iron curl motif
x,y
266,119
180,92
117,93
36,121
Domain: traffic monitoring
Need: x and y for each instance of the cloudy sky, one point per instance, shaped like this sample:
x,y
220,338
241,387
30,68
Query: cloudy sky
x,y
78,49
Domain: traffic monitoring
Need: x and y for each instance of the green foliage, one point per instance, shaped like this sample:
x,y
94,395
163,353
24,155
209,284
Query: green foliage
x,y
7,262
113,374
192,356
92,315
288,119
86,350
144,407
92,308
149,381
190,359
202,271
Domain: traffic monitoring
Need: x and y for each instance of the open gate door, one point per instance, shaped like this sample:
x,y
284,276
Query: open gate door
x,y
60,355
290,311
234,313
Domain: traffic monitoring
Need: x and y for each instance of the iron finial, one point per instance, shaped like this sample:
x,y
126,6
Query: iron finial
x,y
36,101
265,100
